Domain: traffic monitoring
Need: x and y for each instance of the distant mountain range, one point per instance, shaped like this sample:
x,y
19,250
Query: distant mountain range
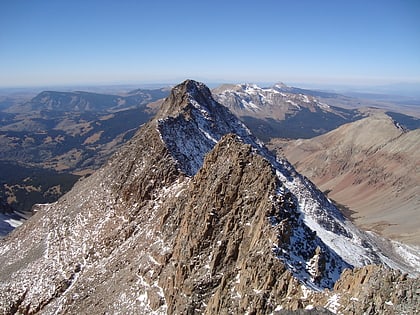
x,y
282,111
72,130
88,102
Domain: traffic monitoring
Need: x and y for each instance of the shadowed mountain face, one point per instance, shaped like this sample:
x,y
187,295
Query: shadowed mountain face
x,y
282,111
194,215
371,166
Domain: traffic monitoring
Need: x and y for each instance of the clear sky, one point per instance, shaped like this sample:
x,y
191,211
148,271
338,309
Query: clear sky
x,y
56,42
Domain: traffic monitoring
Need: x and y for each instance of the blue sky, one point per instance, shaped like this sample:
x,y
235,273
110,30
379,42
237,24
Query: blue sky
x,y
58,42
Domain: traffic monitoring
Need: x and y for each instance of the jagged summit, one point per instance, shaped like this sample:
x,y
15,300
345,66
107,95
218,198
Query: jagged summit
x,y
193,215
191,122
182,95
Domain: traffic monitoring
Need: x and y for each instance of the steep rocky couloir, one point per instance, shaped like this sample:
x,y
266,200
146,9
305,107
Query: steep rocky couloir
x,y
191,216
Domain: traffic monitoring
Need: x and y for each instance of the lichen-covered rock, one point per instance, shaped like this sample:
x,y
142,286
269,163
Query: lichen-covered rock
x,y
378,290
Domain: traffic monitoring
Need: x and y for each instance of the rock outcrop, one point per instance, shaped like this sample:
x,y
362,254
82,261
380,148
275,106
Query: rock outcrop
x,y
377,290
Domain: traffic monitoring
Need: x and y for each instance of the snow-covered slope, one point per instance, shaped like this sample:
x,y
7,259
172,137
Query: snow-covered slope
x,y
192,135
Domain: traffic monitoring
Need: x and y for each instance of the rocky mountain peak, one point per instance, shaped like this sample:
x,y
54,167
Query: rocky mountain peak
x,y
191,122
193,215
280,85
189,92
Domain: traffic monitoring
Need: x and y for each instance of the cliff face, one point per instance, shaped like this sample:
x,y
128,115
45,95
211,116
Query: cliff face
x,y
73,254
226,254
192,216
222,218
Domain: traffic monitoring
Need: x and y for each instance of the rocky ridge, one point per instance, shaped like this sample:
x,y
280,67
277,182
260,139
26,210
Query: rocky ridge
x,y
216,226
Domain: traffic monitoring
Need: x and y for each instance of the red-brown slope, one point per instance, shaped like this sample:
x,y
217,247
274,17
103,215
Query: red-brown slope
x,y
372,167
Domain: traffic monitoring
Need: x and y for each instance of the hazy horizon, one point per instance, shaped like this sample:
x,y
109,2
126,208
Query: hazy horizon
x,y
409,90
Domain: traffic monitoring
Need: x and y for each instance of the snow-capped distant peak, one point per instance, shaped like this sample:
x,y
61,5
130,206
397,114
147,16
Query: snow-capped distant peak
x,y
280,85
251,88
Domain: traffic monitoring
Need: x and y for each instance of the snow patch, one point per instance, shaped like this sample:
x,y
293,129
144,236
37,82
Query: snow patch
x,y
14,223
333,303
411,254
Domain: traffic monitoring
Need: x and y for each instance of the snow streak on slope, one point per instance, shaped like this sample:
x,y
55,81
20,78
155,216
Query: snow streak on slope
x,y
301,249
8,222
356,247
